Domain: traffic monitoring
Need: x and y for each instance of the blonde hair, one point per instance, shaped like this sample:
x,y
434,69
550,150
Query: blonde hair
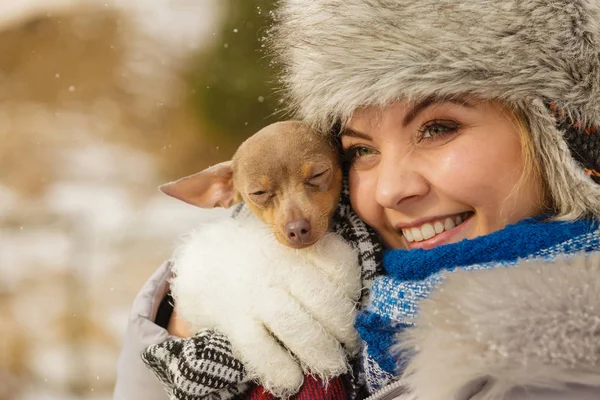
x,y
532,169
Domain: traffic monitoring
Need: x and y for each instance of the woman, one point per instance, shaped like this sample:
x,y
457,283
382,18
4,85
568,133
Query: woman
x,y
461,119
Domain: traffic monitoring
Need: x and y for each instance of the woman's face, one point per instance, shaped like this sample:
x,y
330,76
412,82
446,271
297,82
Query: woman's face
x,y
426,174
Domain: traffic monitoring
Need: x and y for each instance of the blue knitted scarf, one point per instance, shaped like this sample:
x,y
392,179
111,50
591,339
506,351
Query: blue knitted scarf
x,y
410,275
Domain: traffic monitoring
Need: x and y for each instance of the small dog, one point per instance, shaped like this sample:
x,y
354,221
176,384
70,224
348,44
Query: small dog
x,y
288,175
276,275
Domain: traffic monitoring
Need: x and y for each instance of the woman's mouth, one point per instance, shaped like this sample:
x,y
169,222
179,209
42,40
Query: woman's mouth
x,y
426,235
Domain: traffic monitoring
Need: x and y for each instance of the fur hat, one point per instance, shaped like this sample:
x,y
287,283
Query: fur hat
x,y
339,55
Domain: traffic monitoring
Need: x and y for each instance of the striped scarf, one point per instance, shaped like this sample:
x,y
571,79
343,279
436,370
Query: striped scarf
x,y
411,275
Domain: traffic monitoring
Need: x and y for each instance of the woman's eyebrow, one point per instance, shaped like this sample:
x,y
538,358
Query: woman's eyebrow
x,y
422,105
352,133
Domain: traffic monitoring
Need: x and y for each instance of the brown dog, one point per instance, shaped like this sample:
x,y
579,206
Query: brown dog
x,y
288,175
271,300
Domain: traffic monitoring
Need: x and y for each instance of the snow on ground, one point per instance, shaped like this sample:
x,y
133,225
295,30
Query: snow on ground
x,y
81,251
73,256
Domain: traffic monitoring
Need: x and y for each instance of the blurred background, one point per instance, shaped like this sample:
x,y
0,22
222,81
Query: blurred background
x,y
100,102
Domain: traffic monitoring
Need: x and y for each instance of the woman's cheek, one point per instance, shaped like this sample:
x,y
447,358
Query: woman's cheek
x,y
462,171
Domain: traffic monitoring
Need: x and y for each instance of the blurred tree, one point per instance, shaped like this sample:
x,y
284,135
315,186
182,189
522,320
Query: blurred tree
x,y
233,84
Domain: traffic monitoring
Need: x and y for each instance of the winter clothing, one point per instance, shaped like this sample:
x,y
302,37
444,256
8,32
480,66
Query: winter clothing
x,y
232,275
411,275
312,389
141,326
201,366
513,331
134,380
188,367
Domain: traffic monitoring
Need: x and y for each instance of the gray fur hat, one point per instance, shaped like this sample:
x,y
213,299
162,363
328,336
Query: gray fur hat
x,y
339,55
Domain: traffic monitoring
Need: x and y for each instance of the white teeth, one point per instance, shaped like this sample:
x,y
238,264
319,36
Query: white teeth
x,y
417,235
427,231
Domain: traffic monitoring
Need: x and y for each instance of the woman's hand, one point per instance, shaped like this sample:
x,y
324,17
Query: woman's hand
x,y
178,327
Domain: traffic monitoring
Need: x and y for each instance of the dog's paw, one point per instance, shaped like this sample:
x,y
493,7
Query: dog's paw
x,y
282,381
331,362
264,358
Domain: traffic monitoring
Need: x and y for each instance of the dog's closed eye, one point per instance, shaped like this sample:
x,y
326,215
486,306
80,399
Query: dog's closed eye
x,y
321,179
261,197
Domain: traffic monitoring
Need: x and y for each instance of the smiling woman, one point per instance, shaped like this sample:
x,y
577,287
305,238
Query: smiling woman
x,y
468,128
469,134
441,172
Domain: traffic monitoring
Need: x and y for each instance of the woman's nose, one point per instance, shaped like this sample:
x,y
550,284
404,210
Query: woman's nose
x,y
399,181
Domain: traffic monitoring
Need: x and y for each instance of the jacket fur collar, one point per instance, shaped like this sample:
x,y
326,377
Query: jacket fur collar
x,y
537,325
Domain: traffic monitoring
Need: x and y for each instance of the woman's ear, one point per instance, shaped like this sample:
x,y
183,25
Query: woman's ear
x,y
210,188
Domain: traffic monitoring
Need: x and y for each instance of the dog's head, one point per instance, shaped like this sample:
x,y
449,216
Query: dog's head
x,y
287,174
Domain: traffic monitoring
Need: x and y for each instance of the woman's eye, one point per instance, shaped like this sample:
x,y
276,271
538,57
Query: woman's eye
x,y
363,151
434,130
358,153
437,129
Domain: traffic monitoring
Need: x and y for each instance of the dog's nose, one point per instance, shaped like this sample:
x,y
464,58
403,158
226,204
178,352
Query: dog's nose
x,y
298,231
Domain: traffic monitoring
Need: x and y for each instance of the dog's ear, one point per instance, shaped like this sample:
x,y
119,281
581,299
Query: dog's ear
x,y
210,188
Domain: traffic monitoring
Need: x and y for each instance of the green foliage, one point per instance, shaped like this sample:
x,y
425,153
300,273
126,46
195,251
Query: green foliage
x,y
233,84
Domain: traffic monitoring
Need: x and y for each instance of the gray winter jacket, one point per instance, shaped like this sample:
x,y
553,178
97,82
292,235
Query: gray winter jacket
x,y
135,381
531,332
